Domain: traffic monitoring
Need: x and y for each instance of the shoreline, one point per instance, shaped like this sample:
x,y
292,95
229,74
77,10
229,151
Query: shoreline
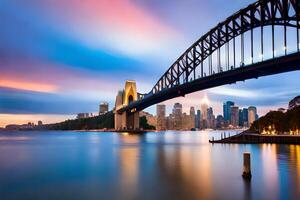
x,y
248,137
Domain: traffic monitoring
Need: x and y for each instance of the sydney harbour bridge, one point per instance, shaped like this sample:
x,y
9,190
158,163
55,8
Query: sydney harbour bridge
x,y
259,40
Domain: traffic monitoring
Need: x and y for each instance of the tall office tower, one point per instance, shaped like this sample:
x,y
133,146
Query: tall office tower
x,y
210,118
234,116
198,119
245,117
241,120
227,110
161,117
192,117
177,113
103,108
252,112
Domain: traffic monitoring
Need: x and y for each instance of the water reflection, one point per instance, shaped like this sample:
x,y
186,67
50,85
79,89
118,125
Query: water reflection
x,y
166,165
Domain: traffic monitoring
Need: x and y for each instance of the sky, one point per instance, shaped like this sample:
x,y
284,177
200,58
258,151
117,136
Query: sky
x,y
62,57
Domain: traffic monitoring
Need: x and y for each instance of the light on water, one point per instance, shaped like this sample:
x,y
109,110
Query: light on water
x,y
161,165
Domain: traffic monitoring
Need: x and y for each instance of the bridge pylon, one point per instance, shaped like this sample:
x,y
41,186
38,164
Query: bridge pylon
x,y
128,120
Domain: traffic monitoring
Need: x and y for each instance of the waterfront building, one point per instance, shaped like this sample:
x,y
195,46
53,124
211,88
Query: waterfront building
x,y
161,123
252,115
234,116
186,122
103,108
40,123
170,122
227,110
294,102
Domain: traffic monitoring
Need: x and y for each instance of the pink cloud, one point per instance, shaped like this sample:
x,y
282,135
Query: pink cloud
x,y
33,75
120,25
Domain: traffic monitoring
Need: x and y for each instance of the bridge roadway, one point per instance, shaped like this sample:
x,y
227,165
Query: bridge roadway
x,y
273,66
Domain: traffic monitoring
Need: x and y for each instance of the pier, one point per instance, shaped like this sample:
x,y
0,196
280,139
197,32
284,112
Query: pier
x,y
255,138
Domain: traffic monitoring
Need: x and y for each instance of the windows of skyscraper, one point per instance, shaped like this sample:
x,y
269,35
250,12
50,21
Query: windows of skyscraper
x,y
227,110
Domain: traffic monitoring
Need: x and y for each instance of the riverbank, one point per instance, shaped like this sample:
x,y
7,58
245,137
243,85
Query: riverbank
x,y
256,138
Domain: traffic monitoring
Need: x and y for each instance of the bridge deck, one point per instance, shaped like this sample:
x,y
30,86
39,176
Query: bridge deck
x,y
269,67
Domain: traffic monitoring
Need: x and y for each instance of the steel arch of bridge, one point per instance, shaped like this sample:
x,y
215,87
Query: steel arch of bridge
x,y
259,14
285,13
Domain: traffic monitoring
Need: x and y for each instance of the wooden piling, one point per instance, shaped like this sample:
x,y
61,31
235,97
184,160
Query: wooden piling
x,y
247,166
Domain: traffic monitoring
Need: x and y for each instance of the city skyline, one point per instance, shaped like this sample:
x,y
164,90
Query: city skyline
x,y
54,65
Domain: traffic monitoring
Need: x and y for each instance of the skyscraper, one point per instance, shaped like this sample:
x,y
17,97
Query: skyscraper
x,y
252,112
241,121
192,117
227,110
103,108
198,119
177,113
234,116
245,117
210,118
204,107
161,117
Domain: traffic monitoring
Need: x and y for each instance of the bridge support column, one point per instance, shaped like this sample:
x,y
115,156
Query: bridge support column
x,y
128,120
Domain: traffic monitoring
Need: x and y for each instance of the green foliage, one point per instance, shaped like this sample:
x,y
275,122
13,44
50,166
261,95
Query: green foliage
x,y
144,124
97,122
282,122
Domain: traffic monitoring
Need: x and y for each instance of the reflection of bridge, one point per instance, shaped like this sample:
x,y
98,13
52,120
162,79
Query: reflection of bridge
x,y
260,40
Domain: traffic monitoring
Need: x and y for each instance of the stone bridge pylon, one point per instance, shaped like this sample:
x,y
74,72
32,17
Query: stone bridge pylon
x,y
128,120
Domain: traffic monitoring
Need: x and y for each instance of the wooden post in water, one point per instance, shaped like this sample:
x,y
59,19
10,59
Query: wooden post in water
x,y
247,166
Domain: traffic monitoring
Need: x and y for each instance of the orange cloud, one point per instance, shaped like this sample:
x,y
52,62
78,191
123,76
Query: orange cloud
x,y
30,86
6,119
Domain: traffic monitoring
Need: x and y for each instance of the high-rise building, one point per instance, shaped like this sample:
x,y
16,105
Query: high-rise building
x,y
204,107
252,112
234,116
245,117
241,121
192,117
103,108
227,110
177,113
210,118
161,117
198,119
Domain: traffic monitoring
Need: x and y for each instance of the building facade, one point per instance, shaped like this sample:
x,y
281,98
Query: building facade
x,y
103,108
161,123
252,114
227,110
234,116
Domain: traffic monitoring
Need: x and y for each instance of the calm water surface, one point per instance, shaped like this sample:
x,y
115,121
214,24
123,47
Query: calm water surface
x,y
165,165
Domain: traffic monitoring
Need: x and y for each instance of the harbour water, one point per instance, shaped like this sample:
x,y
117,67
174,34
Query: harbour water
x,y
161,165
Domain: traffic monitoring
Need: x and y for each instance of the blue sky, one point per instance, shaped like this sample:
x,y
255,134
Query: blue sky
x,y
58,58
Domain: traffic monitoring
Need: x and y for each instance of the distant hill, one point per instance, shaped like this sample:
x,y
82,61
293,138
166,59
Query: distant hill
x,y
279,121
97,122
105,121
